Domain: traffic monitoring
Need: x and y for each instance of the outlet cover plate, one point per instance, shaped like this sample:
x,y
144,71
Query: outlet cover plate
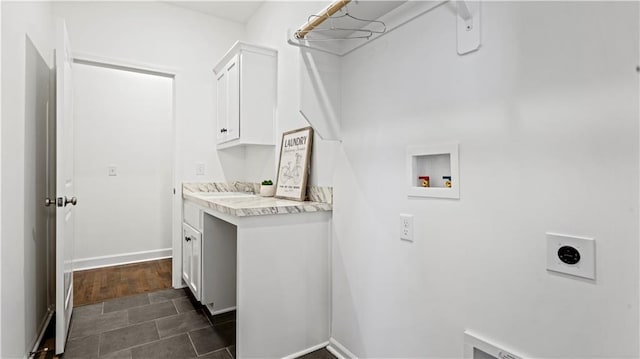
x,y
406,227
586,266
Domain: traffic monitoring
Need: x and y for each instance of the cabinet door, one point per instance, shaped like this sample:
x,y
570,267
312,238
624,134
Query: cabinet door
x,y
221,107
196,265
233,98
186,255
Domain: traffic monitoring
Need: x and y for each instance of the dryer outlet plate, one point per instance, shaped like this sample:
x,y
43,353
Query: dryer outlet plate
x,y
586,247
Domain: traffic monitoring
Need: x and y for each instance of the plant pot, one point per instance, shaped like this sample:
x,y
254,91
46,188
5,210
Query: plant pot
x,y
267,190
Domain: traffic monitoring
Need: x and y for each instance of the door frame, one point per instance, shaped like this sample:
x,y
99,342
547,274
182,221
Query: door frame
x,y
176,203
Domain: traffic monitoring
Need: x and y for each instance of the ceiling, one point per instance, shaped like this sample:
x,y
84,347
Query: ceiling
x,y
238,11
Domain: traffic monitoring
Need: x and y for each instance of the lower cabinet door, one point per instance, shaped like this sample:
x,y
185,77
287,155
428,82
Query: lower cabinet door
x,y
186,254
196,266
192,259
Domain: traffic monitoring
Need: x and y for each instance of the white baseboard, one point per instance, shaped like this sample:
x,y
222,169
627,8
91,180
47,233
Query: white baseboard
x,y
119,259
306,351
219,311
339,350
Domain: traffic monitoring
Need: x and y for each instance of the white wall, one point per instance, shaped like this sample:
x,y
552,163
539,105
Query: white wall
x,y
19,288
123,119
1,316
170,38
167,37
546,114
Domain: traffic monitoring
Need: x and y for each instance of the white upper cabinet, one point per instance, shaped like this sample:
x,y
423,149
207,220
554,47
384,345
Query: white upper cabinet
x,y
246,96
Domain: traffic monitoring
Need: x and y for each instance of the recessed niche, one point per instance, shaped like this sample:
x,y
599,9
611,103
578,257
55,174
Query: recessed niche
x,y
433,171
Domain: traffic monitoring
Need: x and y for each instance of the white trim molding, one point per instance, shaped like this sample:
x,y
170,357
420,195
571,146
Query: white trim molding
x,y
104,61
339,350
306,351
119,259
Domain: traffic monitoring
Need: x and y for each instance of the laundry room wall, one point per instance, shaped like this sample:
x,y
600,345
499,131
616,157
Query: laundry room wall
x,y
27,55
546,117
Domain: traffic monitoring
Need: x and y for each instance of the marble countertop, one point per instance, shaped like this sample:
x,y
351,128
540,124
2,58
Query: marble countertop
x,y
254,205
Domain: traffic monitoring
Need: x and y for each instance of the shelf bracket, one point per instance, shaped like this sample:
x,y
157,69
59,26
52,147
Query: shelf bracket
x,y
468,26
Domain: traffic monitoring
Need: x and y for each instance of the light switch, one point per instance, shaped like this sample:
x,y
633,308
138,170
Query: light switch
x,y
571,255
113,171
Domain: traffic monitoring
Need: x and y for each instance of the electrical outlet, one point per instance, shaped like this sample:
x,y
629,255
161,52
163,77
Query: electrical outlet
x,y
571,255
406,227
113,171
200,169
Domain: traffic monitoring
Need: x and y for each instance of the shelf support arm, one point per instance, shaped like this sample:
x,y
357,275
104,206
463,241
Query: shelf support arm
x,y
464,13
468,26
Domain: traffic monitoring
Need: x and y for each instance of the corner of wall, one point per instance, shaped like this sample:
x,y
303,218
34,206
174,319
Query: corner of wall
x,y
1,346
339,350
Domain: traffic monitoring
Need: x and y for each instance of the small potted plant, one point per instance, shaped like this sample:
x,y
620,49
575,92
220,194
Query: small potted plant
x,y
267,189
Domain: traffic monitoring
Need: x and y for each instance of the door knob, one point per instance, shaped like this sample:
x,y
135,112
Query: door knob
x,y
48,201
73,201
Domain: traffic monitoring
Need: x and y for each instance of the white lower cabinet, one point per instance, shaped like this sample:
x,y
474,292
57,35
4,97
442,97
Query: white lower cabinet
x,y
192,259
274,270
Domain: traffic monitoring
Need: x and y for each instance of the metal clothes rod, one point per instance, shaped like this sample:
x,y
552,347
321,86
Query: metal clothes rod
x,y
320,18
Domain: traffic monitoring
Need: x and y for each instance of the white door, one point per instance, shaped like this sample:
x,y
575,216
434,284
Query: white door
x,y
65,200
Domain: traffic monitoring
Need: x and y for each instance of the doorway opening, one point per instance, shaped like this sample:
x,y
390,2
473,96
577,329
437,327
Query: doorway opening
x,y
124,159
124,164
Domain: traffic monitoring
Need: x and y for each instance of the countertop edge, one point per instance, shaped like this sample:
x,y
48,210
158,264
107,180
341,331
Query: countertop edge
x,y
302,207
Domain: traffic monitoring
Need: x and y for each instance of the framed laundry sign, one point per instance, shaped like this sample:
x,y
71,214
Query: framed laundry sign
x,y
293,167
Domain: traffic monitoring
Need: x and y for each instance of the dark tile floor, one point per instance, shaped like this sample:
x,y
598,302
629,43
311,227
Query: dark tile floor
x,y
163,324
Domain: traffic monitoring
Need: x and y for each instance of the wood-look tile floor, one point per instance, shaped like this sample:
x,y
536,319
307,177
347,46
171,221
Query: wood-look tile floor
x,y
97,285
